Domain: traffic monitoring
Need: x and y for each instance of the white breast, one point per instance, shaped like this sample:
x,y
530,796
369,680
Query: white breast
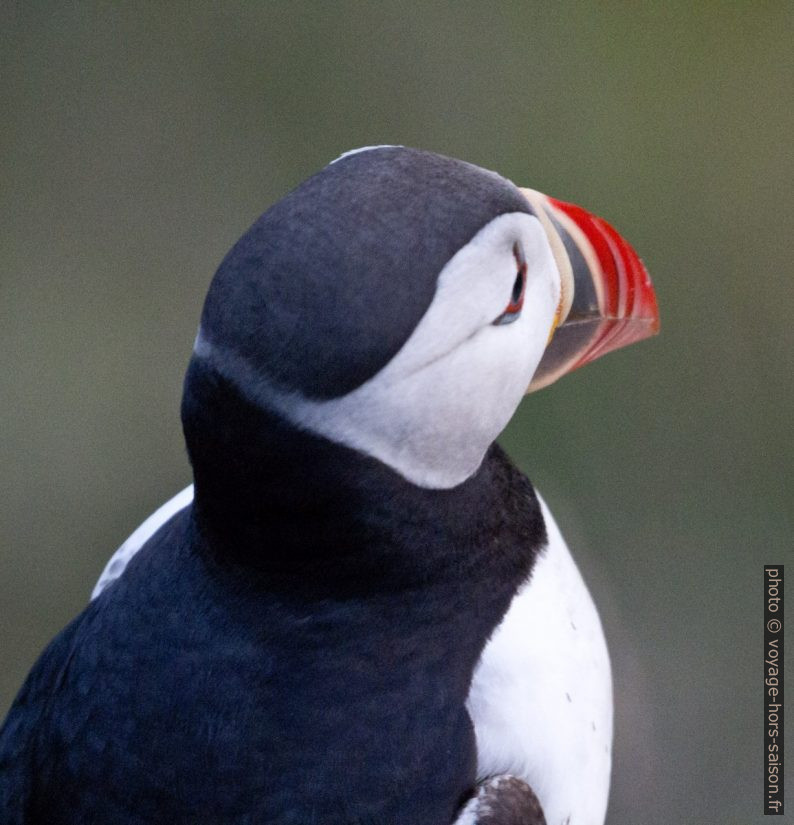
x,y
541,697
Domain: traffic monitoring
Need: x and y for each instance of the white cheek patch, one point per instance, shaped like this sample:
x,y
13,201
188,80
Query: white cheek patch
x,y
435,408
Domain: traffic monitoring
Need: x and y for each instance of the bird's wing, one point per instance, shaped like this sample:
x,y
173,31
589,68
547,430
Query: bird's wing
x,y
120,559
23,735
541,695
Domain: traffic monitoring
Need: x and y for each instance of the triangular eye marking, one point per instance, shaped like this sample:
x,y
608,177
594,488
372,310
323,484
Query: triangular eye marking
x,y
513,309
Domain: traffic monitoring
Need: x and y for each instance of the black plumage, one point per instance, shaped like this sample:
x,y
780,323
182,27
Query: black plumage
x,y
249,667
297,646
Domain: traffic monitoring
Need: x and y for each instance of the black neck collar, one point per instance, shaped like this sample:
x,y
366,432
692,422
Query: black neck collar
x,y
304,511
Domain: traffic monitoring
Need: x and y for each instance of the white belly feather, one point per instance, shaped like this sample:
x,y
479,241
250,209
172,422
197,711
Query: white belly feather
x,y
541,696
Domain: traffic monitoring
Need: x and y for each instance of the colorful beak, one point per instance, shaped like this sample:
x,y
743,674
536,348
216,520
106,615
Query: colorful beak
x,y
607,299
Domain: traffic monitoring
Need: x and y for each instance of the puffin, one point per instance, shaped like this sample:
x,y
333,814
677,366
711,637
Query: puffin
x,y
361,612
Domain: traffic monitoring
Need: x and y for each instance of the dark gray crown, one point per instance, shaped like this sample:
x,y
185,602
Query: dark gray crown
x,y
327,285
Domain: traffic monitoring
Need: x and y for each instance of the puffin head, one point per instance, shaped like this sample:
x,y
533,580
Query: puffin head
x,y
401,303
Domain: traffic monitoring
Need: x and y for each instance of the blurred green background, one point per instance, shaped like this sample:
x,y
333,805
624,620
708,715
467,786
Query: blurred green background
x,y
139,141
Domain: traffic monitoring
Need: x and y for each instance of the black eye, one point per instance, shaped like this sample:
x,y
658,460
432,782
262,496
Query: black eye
x,y
518,286
513,309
